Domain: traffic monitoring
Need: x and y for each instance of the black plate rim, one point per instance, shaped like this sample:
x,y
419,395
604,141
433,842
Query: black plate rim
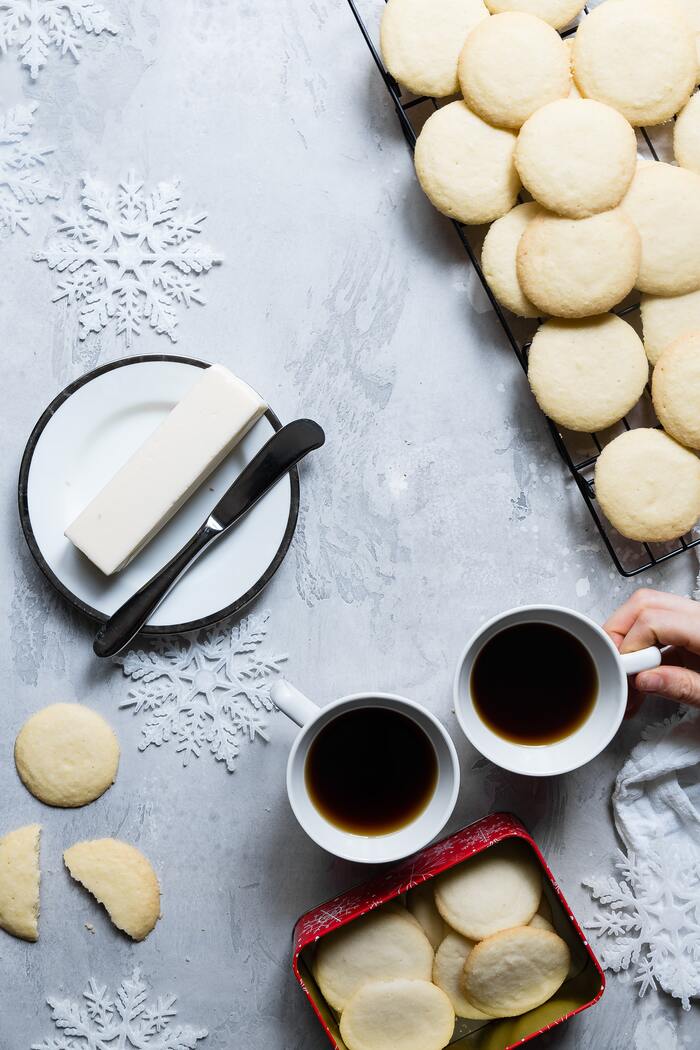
x,y
94,614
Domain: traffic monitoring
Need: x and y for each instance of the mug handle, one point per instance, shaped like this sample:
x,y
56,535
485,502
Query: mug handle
x,y
293,703
642,660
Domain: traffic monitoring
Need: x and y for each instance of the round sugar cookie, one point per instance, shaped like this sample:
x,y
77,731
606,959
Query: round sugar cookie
x,y
686,135
407,915
381,945
397,1015
511,65
19,882
420,902
675,390
500,887
119,877
545,909
578,267
538,922
638,56
66,755
648,485
587,375
498,256
667,318
663,202
573,90
576,157
691,12
465,166
448,970
558,13
515,970
421,41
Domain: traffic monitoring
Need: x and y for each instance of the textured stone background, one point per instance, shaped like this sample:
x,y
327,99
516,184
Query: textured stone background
x,y
437,501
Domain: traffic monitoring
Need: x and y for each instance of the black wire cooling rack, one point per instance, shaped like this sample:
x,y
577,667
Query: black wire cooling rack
x,y
579,451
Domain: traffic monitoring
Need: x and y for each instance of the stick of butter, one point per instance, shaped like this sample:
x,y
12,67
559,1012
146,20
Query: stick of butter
x,y
163,473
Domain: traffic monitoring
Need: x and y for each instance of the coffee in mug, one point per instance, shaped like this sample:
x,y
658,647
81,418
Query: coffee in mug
x,y
541,690
371,777
534,683
371,771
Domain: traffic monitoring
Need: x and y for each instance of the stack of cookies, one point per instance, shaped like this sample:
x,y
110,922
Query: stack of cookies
x,y
475,943
555,119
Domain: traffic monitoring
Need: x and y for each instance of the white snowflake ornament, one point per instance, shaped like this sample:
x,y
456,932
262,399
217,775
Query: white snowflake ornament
x,y
131,256
128,1019
23,178
211,693
33,26
650,921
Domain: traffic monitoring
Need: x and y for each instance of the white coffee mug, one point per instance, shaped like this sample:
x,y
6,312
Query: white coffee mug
x,y
370,849
561,756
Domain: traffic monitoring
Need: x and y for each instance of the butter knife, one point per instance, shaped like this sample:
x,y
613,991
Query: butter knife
x,y
272,462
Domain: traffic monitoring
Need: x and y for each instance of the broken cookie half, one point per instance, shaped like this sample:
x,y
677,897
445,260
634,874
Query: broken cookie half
x,y
19,882
120,878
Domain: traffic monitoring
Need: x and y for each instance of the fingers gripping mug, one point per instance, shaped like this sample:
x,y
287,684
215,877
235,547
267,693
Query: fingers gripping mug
x,y
583,650
371,777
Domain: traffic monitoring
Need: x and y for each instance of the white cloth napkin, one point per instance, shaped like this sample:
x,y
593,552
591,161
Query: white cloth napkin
x,y
649,918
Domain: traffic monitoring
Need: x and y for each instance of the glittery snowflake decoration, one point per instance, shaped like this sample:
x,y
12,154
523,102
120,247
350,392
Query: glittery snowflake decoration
x,y
211,694
23,179
129,256
34,26
127,1019
650,921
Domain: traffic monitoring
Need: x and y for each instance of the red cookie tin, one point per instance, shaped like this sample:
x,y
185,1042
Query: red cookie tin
x,y
581,990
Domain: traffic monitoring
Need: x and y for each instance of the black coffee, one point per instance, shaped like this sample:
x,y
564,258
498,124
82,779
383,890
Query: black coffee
x,y
371,771
534,683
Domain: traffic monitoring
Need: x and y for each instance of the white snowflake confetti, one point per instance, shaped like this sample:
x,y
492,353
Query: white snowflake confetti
x,y
211,693
33,26
130,256
650,920
23,179
128,1019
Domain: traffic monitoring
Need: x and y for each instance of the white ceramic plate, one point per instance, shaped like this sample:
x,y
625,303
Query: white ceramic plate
x,y
84,436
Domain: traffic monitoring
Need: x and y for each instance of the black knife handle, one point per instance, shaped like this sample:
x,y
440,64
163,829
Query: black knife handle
x,y
277,456
128,620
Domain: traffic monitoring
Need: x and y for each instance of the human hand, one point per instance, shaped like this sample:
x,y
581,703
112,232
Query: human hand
x,y
657,618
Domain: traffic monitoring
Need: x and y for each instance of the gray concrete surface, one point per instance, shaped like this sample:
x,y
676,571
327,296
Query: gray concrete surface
x,y
437,501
